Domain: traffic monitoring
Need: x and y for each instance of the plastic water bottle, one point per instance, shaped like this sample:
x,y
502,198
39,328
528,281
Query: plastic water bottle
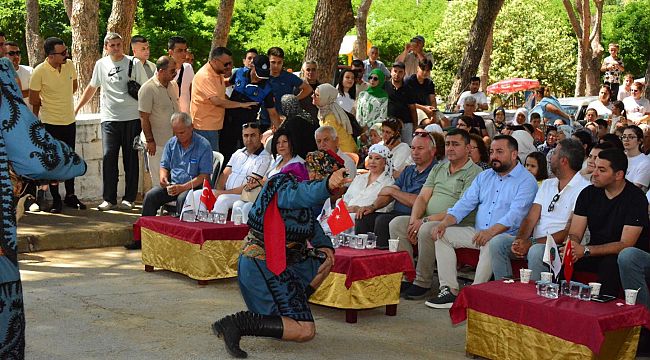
x,y
237,216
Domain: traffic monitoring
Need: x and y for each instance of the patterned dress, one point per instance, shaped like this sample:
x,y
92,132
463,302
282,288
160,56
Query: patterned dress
x,y
34,154
284,294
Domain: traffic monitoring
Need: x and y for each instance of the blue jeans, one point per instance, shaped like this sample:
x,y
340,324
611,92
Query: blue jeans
x,y
501,253
212,136
634,268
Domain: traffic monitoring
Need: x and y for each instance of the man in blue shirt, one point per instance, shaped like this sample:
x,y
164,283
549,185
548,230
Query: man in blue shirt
x,y
282,83
502,197
403,192
185,163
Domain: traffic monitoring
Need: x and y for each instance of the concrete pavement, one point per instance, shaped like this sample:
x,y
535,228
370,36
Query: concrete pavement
x,y
100,304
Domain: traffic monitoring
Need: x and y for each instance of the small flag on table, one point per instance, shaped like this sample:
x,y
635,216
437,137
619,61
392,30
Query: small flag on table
x,y
568,261
189,205
552,256
207,196
340,219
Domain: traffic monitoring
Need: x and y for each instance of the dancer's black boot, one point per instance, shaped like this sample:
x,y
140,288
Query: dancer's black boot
x,y
245,323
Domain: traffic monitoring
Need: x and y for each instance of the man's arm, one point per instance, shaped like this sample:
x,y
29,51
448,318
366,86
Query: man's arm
x,y
305,90
229,104
414,115
629,237
531,219
221,183
164,177
148,134
274,116
87,95
75,85
35,100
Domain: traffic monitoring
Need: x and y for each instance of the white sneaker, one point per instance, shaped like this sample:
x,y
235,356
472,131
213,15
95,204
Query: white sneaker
x,y
126,205
105,206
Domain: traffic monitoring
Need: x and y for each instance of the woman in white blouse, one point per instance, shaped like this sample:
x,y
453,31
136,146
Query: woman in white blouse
x,y
282,150
347,91
391,131
364,188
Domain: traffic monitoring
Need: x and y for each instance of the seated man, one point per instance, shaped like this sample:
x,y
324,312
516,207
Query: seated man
x,y
326,139
550,214
404,191
245,168
502,197
444,186
616,213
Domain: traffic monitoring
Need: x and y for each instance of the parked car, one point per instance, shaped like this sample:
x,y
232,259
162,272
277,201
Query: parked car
x,y
576,106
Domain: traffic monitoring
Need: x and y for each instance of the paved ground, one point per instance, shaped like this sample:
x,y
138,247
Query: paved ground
x,y
100,304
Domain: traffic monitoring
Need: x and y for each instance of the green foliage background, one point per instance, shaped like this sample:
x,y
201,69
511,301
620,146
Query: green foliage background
x,y
531,38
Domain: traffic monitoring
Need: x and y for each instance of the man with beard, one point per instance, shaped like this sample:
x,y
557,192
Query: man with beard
x,y
501,198
550,214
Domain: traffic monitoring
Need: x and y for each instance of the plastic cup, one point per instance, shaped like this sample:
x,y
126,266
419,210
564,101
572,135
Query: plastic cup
x,y
595,288
565,288
585,292
221,218
547,276
524,275
362,241
630,296
575,289
237,219
552,291
393,244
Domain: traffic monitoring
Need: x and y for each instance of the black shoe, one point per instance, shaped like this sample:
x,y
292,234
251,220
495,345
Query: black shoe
x,y
135,245
57,206
444,300
416,293
73,202
404,286
245,323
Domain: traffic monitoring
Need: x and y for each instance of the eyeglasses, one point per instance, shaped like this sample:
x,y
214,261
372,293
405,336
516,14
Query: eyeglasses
x,y
628,137
252,125
13,53
551,206
373,78
225,64
62,53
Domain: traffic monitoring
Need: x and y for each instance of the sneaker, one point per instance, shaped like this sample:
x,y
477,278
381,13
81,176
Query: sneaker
x,y
416,293
444,300
105,206
57,206
73,202
126,205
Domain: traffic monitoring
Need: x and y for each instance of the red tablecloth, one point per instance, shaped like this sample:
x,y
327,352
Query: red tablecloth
x,y
580,322
365,264
196,233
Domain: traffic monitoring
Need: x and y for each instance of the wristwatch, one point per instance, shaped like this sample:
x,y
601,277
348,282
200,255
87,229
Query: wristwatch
x,y
587,252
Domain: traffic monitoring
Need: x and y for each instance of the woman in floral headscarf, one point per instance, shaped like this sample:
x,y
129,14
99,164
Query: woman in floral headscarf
x,y
332,114
365,188
372,104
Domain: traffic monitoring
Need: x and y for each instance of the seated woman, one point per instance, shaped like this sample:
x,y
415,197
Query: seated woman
x,y
372,104
536,164
499,115
347,91
463,123
591,159
478,152
366,141
364,188
391,131
331,114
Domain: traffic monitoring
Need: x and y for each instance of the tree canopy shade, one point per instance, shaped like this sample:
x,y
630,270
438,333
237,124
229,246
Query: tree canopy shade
x,y
628,26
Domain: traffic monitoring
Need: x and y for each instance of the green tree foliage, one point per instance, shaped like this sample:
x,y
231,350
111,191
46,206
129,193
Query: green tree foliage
x,y
629,28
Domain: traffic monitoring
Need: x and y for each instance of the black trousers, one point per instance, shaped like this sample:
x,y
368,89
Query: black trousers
x,y
116,135
157,197
377,223
68,135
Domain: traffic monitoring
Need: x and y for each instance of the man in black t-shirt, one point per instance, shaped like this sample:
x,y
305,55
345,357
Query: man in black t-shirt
x,y
616,213
423,89
401,104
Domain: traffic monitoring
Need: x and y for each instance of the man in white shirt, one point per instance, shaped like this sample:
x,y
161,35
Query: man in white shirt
x,y
177,47
481,99
12,52
549,214
140,48
326,139
120,120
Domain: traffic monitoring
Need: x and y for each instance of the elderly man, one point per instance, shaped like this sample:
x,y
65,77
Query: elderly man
x,y
403,192
549,214
481,99
157,101
444,186
326,139
501,197
244,170
469,108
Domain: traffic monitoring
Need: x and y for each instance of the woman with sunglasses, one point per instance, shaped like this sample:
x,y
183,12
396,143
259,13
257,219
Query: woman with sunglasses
x,y
638,165
372,104
331,114
637,106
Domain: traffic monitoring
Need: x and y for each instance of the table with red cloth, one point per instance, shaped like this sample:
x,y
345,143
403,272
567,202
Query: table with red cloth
x,y
202,251
364,279
510,321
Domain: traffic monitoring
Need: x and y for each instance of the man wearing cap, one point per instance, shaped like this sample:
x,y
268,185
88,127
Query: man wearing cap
x,y
249,85
401,101
412,55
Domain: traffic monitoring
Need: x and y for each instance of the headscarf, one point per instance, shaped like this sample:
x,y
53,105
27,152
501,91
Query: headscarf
x,y
327,96
291,107
523,111
383,151
323,163
378,91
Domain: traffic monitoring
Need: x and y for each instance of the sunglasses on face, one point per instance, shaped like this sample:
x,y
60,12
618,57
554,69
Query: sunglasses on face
x,y
13,53
423,134
373,78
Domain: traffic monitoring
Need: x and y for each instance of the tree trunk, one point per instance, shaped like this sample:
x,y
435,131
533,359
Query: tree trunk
x,y
222,27
587,29
647,79
33,37
122,19
84,20
486,60
332,20
67,4
361,44
486,14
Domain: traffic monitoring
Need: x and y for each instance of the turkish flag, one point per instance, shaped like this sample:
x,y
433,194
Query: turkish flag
x,y
568,262
207,196
340,219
